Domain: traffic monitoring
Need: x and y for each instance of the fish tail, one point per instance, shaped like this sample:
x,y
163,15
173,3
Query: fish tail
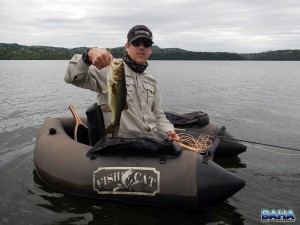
x,y
109,129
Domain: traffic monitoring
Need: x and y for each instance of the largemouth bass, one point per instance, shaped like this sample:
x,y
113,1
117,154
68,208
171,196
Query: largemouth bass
x,y
117,92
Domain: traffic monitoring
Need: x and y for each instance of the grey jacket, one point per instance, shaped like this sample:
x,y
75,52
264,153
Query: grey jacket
x,y
144,112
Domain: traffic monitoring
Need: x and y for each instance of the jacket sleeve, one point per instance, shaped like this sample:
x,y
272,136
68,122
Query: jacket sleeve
x,y
85,76
162,123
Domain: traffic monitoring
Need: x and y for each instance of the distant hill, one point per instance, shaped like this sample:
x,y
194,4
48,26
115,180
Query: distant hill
x,y
22,52
280,55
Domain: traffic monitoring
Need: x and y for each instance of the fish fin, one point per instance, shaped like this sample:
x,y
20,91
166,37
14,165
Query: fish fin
x,y
109,129
105,89
125,106
113,89
115,131
106,108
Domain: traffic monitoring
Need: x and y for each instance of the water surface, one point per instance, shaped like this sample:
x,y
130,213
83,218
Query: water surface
x,y
256,101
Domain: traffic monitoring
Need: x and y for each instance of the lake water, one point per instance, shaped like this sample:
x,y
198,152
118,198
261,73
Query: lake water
x,y
256,101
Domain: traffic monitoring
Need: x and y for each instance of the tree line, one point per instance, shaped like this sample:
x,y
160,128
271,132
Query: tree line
x,y
23,52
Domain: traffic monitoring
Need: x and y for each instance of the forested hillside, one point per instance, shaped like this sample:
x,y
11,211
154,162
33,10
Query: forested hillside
x,y
23,52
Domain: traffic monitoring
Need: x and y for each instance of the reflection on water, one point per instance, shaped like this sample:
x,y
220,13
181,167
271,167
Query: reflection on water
x,y
231,162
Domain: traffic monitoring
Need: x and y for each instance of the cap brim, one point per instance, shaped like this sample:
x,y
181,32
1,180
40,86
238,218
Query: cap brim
x,y
140,36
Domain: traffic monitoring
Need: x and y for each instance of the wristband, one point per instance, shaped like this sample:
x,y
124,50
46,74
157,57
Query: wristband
x,y
85,58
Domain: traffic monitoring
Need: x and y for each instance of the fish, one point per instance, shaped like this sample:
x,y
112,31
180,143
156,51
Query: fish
x,y
126,178
117,92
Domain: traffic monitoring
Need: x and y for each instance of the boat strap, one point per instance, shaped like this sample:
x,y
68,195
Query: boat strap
x,y
222,131
135,143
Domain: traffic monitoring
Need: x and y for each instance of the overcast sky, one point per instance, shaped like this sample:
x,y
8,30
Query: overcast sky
x,y
197,25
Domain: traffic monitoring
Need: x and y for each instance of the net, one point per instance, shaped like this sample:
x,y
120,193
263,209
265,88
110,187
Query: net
x,y
199,145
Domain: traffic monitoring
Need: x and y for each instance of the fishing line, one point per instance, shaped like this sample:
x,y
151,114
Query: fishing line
x,y
240,140
253,142
280,153
258,143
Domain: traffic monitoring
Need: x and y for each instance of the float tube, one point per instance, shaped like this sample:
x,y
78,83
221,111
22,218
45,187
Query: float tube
x,y
184,180
198,123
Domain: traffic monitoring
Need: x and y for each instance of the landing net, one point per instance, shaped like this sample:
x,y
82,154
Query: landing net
x,y
199,145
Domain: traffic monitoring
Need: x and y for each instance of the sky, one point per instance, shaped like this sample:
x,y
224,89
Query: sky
x,y
241,26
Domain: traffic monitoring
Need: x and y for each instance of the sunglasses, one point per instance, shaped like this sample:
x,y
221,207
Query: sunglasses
x,y
146,43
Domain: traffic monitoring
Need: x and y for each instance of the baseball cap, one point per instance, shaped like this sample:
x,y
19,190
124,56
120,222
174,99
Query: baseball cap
x,y
139,31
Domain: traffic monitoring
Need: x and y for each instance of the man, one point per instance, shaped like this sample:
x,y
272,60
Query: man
x,y
144,113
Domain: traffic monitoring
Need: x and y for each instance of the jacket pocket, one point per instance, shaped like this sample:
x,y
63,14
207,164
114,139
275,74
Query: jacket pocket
x,y
130,86
149,93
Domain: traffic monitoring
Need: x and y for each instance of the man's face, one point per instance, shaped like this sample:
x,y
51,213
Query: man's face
x,y
138,51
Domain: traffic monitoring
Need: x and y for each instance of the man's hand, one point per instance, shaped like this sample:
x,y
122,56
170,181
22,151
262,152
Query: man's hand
x,y
99,57
173,136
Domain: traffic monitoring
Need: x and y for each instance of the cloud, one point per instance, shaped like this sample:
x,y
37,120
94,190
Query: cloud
x,y
199,25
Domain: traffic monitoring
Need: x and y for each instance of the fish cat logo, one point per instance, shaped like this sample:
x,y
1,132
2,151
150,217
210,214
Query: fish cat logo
x,y
127,180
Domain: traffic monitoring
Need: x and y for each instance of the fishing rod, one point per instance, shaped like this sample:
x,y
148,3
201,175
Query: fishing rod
x,y
240,140
256,143
222,131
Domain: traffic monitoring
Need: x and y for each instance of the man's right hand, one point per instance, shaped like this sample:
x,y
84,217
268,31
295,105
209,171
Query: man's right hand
x,y
100,57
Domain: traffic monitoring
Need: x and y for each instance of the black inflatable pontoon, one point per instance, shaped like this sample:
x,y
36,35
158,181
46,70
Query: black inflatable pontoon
x,y
181,181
